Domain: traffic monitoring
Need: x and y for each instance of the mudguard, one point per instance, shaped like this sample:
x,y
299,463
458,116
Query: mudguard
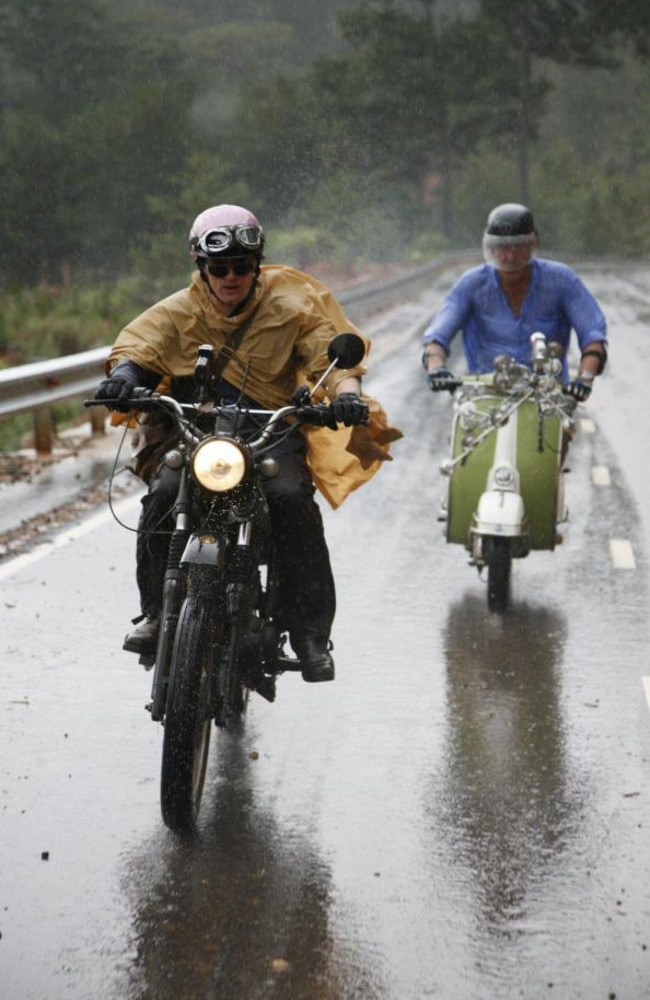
x,y
204,550
500,512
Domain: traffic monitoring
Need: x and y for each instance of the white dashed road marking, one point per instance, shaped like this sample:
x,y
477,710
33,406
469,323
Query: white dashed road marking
x,y
621,553
600,475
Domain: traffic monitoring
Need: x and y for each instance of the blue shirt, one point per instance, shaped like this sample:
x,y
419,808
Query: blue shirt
x,y
556,302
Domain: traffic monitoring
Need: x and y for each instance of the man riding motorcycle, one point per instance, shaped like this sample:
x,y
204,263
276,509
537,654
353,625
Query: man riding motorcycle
x,y
499,304
281,322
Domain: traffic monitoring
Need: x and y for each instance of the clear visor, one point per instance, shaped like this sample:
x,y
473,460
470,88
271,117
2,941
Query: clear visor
x,y
509,253
218,241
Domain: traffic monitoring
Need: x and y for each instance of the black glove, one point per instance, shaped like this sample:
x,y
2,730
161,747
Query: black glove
x,y
441,379
349,409
580,388
114,389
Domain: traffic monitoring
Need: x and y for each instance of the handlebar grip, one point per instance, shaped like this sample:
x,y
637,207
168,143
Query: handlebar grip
x,y
318,415
119,405
139,401
449,384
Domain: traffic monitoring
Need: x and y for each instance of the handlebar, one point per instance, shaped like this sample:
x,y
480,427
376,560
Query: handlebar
x,y
145,401
315,414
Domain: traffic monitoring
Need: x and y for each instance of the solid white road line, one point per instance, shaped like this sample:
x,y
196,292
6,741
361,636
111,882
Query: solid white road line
x,y
65,537
646,687
621,552
587,426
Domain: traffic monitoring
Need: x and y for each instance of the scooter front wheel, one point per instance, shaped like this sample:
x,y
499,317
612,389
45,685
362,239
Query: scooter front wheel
x,y
499,563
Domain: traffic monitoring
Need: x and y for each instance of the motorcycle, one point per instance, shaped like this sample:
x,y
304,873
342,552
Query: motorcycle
x,y
509,436
221,635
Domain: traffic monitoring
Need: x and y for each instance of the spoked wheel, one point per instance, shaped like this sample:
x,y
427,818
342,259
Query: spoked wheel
x,y
499,563
188,717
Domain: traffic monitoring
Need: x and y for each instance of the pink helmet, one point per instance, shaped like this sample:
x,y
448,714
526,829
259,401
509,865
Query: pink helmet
x,y
226,231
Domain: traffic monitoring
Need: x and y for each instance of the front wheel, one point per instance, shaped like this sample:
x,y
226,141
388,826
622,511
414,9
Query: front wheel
x,y
499,563
188,716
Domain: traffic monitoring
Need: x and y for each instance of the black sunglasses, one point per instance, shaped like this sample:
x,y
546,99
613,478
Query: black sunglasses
x,y
238,265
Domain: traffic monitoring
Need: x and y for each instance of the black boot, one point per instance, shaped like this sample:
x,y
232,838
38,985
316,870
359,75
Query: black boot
x,y
144,638
315,660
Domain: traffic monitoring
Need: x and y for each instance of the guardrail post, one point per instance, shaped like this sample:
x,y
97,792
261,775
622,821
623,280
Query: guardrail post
x,y
43,430
98,419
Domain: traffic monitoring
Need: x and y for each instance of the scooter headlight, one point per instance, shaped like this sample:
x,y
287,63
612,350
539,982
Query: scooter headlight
x,y
504,477
218,465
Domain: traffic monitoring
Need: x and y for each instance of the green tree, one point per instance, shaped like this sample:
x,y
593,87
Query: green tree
x,y
412,94
279,145
95,118
570,32
626,20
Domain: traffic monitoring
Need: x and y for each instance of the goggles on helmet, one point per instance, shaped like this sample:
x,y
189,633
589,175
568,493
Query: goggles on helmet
x,y
218,241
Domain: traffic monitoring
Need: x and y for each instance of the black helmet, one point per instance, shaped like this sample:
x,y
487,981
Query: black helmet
x,y
509,225
510,220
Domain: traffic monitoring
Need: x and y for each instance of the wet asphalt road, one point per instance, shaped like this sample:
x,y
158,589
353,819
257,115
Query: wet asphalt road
x,y
463,814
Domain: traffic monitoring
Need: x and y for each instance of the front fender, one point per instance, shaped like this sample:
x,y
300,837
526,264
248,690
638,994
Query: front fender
x,y
499,512
204,550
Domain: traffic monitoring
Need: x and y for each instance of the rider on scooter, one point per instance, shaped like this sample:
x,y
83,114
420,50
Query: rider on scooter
x,y
499,304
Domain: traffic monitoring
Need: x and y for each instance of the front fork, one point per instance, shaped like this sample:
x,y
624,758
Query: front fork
x,y
238,587
173,593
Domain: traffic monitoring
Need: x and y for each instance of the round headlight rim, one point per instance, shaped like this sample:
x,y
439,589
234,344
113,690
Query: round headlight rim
x,y
239,458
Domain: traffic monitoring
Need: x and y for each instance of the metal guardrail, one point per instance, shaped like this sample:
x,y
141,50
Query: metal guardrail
x,y
367,300
44,383
35,388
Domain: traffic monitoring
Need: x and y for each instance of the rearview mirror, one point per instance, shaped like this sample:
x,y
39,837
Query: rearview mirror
x,y
346,350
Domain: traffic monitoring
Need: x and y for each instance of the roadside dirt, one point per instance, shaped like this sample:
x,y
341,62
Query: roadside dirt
x,y
21,466
22,538
25,468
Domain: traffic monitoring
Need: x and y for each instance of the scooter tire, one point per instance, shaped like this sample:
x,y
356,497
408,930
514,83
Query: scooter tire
x,y
499,565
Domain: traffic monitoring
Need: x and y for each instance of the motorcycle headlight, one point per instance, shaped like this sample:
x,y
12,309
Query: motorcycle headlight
x,y
218,465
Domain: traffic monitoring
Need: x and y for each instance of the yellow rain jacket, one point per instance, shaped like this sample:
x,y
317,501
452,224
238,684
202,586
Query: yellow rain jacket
x,y
285,345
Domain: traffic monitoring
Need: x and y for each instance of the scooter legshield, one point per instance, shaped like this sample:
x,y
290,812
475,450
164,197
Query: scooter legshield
x,y
538,463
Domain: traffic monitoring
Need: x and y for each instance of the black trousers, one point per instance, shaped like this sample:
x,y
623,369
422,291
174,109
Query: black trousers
x,y
306,581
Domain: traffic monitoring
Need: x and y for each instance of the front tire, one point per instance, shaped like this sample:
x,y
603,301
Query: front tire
x,y
187,724
499,564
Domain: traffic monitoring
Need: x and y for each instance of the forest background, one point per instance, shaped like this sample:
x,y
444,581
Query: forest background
x,y
361,133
